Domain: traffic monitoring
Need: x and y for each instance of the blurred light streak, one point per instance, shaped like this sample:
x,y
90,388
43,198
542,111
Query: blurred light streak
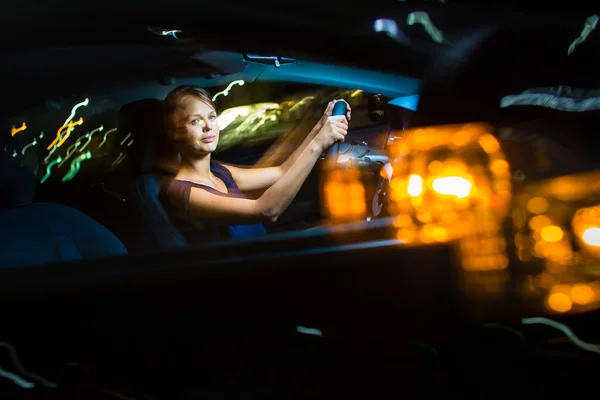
x,y
226,91
14,130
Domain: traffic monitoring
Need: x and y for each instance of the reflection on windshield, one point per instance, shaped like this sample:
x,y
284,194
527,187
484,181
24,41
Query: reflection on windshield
x,y
246,124
62,154
82,137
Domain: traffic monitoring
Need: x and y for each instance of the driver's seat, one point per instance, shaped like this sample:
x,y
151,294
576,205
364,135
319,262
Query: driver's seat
x,y
153,226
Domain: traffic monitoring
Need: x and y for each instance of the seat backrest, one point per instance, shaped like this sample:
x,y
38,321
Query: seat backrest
x,y
143,119
155,229
17,172
41,233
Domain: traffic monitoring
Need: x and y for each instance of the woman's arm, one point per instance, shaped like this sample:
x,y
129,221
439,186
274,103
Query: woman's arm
x,y
251,179
286,144
255,179
278,197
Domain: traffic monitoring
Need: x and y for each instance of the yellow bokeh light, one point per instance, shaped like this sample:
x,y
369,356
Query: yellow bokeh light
x,y
453,183
591,236
500,167
464,136
426,235
435,166
486,262
415,185
405,235
344,195
403,221
489,144
539,249
537,205
439,234
396,184
539,222
564,220
424,216
582,294
561,288
586,227
559,302
452,186
552,233
449,216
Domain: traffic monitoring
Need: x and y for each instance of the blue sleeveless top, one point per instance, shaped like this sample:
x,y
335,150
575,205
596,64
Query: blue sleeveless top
x,y
196,231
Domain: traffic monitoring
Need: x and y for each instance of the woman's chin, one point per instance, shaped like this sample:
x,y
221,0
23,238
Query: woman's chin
x,y
209,147
201,151
213,146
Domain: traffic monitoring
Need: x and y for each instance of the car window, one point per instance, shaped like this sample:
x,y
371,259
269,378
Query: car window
x,y
81,155
255,114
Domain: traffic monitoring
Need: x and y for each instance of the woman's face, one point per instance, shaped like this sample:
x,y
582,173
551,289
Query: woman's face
x,y
196,127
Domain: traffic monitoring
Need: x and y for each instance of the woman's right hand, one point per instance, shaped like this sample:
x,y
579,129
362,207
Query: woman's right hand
x,y
333,130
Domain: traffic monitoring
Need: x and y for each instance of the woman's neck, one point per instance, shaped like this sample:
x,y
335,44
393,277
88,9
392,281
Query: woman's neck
x,y
194,169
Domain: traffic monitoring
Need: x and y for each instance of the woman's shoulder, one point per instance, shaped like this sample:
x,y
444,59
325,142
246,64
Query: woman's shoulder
x,y
177,192
169,184
220,169
173,187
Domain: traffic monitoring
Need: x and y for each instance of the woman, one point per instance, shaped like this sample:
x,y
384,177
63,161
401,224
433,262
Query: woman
x,y
205,198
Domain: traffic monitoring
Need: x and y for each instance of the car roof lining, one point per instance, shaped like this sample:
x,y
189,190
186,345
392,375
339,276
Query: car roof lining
x,y
206,68
307,72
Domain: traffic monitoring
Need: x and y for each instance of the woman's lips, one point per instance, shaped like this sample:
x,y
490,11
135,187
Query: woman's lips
x,y
208,139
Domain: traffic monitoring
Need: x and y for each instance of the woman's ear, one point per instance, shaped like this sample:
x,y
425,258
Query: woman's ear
x,y
171,128
169,123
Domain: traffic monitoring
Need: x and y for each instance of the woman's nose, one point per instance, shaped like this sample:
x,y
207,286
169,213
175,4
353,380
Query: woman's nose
x,y
207,127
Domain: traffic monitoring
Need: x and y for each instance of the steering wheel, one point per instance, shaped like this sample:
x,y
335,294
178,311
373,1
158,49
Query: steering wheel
x,y
339,108
331,158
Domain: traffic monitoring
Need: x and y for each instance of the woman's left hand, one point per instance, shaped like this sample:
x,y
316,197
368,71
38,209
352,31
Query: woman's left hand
x,y
329,110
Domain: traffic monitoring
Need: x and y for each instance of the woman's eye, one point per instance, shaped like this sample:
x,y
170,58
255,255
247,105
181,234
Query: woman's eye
x,y
195,121
213,117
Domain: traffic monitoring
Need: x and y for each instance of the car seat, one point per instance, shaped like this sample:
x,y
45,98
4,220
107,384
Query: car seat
x,y
40,233
154,228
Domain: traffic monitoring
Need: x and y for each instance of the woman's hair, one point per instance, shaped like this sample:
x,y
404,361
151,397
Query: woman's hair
x,y
173,99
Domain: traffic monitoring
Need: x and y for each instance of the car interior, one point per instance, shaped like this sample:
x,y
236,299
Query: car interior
x,y
118,184
451,248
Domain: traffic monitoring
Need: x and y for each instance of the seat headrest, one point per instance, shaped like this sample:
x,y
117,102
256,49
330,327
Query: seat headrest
x,y
18,173
143,119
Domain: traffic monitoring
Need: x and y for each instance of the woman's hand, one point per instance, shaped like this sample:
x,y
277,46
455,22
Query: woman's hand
x,y
329,110
334,129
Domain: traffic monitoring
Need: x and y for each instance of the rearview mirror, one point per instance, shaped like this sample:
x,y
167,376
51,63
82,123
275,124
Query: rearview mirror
x,y
275,61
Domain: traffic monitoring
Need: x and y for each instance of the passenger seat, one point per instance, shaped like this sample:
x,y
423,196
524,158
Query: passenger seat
x,y
42,233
